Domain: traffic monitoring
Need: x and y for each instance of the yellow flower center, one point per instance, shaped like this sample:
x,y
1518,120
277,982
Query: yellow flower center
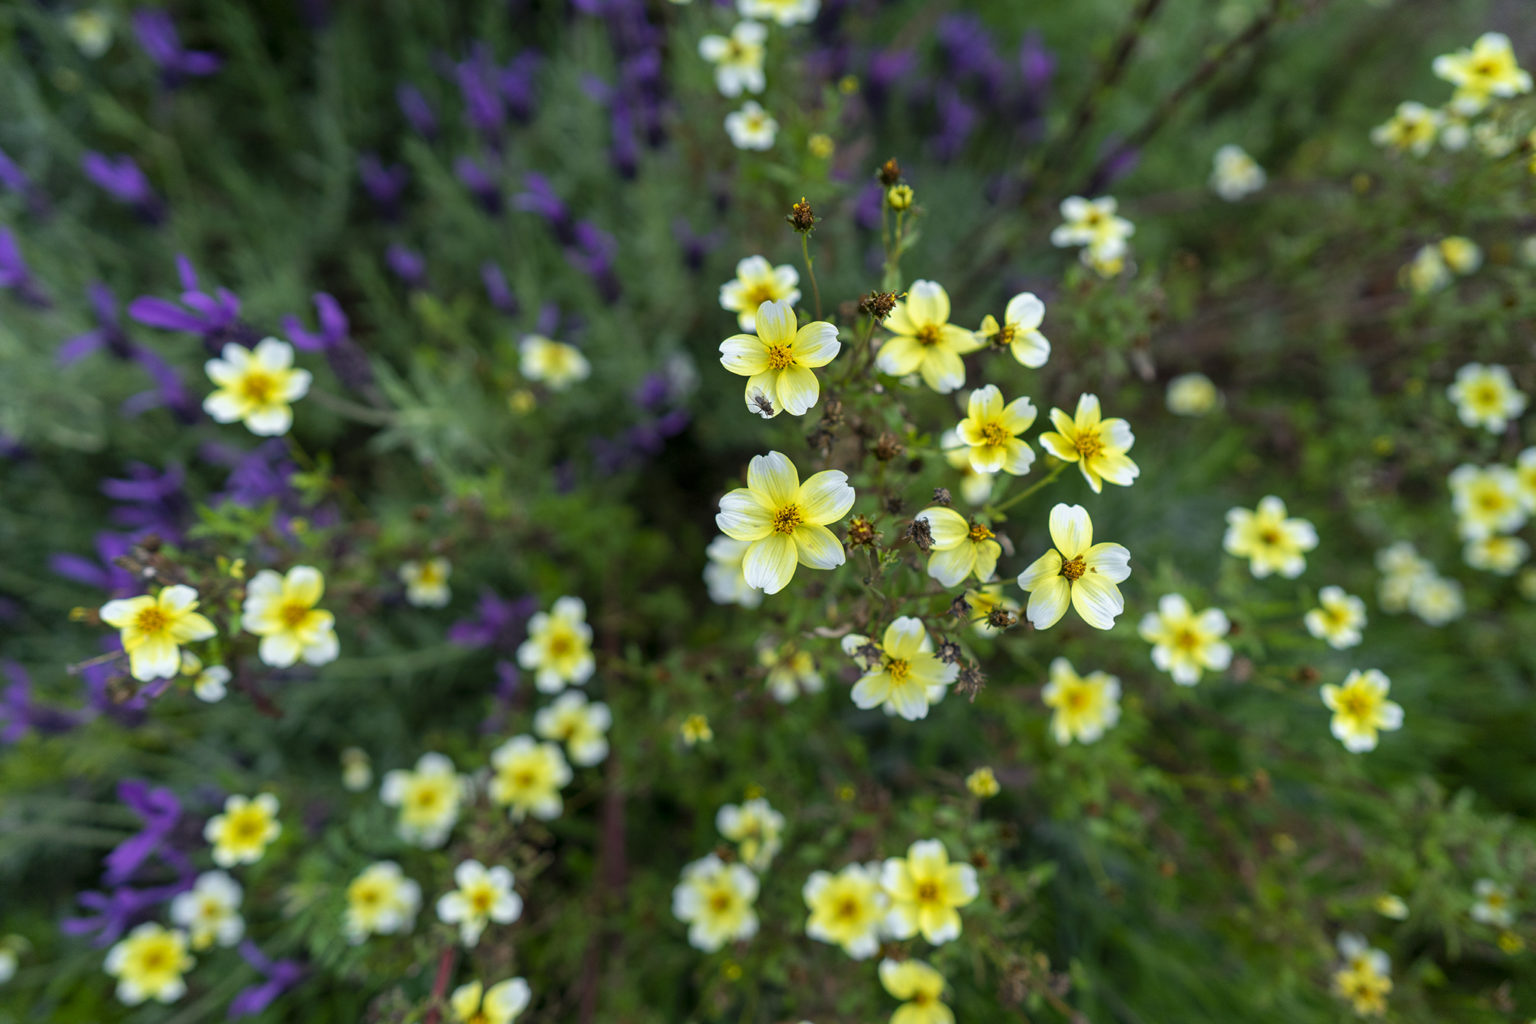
x,y
1076,698
928,892
848,909
994,433
426,799
720,901
481,900
478,1018
1270,535
1088,444
979,533
921,999
524,779
151,620
1004,336
560,645
1356,704
1073,570
928,335
780,357
258,387
898,669
293,614
759,294
369,896
248,827
1187,639
786,519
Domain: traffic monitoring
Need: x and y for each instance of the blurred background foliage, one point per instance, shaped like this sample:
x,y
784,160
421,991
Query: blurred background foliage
x,y
1193,866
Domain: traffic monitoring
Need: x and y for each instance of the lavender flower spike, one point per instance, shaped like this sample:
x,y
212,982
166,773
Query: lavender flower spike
x,y
122,179
14,274
158,36
215,317
281,976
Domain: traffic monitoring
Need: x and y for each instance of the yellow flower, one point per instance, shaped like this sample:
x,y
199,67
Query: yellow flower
x,y
1390,905
1338,620
428,798
1270,541
1108,260
1486,500
426,582
1496,554
751,127
847,909
791,671
281,610
1235,174
242,833
1494,903
908,676
1184,643
738,58
1486,396
695,730
926,892
152,628
1097,445
1364,990
1510,942
920,987
1077,572
1019,332
1361,709
1093,223
756,828
991,430
559,646
499,1004
581,726
1525,478
1486,70
984,601
1411,128
1427,272
209,912
149,964
959,548
90,30
975,487
758,281
715,900
785,521
527,778
1192,394
380,901
255,386
899,197
553,363
1461,255
982,783
1085,706
778,359
820,145
481,895
1438,600
924,341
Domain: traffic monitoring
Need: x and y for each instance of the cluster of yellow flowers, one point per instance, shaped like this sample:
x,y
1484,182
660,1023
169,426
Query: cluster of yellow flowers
x,y
1481,75
1434,266
1492,502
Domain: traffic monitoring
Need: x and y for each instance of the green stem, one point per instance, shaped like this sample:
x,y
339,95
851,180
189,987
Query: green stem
x,y
1026,492
810,269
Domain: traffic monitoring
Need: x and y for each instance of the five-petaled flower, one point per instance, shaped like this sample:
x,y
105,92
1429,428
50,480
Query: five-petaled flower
x,y
256,386
1019,332
778,359
153,628
959,548
902,674
559,646
1361,709
1097,445
1084,705
757,281
784,521
1268,539
428,798
926,892
847,908
923,341
991,430
716,900
482,895
473,1003
241,834
281,610
527,777
1076,572
920,987
1186,643
149,964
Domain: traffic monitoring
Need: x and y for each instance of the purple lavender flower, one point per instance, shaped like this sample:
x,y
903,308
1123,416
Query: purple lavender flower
x,y
958,119
593,254
1036,63
107,334
384,183
886,69
407,265
696,246
158,36
333,326
280,975
508,680
479,85
119,910
414,105
104,573
14,274
259,475
538,197
480,182
160,810
516,82
16,180
122,179
20,713
497,623
150,502
497,290
216,317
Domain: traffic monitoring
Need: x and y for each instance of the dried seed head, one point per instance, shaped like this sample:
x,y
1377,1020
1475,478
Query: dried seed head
x,y
921,534
941,496
800,216
888,447
889,172
878,304
862,533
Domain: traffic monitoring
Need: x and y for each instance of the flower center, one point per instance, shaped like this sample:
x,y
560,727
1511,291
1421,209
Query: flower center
x,y
1187,639
257,387
481,899
1356,705
1073,570
524,779
898,669
994,433
151,620
1004,336
928,892
928,335
1077,699
560,645
294,614
720,902
979,533
1270,535
848,909
786,519
426,798
759,294
1089,444
248,828
780,357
